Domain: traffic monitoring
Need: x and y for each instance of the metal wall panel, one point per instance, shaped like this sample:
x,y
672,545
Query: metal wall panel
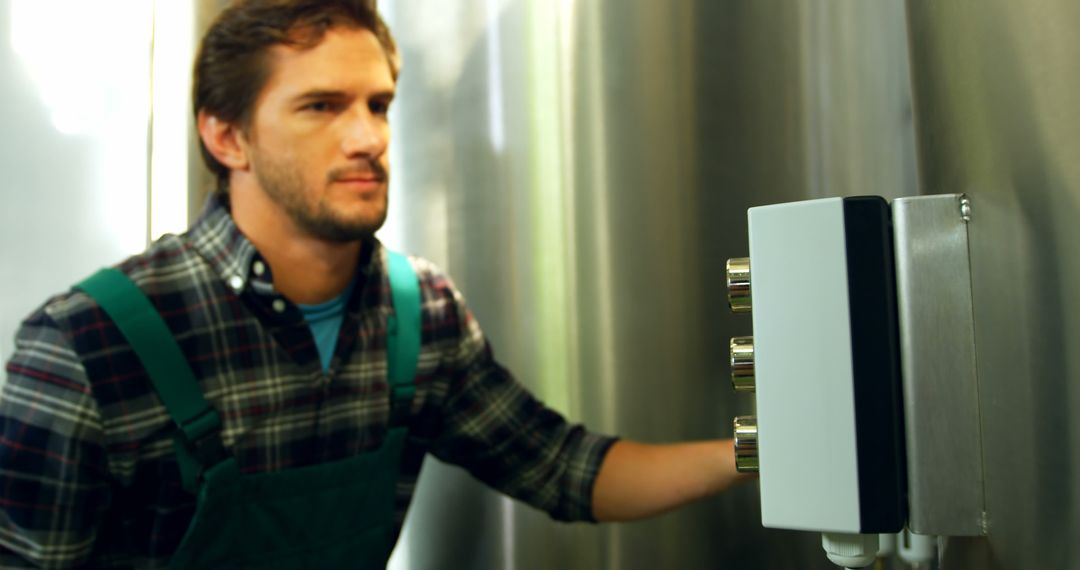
x,y
995,86
583,170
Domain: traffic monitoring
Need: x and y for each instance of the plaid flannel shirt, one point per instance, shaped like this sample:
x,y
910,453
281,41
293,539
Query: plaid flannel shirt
x,y
87,473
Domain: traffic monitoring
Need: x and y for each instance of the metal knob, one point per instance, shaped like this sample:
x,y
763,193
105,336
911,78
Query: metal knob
x,y
742,363
738,284
746,454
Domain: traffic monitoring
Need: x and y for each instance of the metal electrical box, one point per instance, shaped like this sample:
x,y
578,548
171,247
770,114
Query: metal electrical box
x,y
937,340
862,361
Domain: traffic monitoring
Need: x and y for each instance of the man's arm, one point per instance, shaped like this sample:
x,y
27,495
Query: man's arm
x,y
52,456
493,427
638,480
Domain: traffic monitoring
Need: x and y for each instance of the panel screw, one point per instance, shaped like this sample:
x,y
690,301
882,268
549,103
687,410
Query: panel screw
x,y
965,208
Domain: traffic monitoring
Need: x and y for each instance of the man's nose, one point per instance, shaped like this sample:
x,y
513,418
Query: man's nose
x,y
366,135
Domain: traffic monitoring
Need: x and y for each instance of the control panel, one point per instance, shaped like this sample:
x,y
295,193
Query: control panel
x,y
840,293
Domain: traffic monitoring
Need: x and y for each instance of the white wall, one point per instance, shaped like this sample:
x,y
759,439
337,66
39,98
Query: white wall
x,y
74,110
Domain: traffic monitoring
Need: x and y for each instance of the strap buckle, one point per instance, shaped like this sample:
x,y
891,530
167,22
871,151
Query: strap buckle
x,y
208,449
199,447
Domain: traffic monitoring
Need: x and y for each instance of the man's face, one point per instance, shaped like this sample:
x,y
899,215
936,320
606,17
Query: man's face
x,y
319,134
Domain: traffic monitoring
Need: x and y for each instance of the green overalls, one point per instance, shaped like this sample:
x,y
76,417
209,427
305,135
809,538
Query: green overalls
x,y
335,515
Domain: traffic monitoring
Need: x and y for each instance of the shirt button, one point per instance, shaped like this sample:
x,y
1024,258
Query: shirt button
x,y
237,283
278,305
259,268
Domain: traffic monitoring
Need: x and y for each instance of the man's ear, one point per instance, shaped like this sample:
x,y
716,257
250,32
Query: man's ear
x,y
224,140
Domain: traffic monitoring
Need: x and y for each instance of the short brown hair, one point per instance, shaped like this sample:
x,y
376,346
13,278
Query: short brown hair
x,y
231,67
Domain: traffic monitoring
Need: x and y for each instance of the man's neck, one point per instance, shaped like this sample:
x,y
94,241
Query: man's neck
x,y
306,269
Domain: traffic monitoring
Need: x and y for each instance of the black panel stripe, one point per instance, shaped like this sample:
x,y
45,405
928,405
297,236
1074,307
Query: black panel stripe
x,y
876,365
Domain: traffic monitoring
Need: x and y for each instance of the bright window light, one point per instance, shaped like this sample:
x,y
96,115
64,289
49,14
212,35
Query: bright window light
x,y
89,62
173,52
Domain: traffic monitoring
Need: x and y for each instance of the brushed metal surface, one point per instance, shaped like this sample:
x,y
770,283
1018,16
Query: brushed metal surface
x,y
995,86
941,391
583,171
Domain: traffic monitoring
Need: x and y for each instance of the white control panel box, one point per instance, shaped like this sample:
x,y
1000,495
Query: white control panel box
x,y
830,431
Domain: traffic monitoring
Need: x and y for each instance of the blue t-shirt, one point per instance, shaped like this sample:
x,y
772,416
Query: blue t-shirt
x,y
325,322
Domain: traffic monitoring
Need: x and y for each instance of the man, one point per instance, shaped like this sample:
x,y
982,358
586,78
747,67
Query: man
x,y
284,307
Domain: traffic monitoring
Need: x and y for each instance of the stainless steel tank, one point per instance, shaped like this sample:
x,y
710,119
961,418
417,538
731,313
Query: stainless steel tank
x,y
583,170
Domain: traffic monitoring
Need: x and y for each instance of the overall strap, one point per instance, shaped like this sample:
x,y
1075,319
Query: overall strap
x,y
403,330
198,440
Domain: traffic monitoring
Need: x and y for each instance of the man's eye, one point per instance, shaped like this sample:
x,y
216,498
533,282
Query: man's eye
x,y
379,107
319,106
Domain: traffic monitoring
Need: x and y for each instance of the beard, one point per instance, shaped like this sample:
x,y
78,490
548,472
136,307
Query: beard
x,y
285,186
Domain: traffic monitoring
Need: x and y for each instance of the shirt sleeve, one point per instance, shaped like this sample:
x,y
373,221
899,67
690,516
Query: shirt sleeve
x,y
494,428
53,465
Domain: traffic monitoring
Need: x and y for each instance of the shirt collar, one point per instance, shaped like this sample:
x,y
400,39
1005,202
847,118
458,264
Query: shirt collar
x,y
232,256
217,239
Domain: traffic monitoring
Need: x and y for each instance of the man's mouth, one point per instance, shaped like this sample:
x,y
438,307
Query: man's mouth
x,y
363,179
364,186
371,173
